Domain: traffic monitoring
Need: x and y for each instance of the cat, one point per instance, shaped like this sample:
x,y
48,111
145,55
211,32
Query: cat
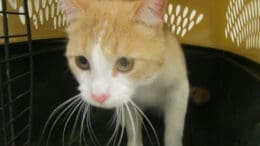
x,y
124,57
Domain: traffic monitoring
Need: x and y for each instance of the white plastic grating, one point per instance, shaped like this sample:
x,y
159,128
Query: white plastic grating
x,y
40,12
243,23
182,19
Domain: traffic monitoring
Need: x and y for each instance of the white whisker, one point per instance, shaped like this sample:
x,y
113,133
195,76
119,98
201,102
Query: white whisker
x,y
67,121
132,122
123,126
117,120
149,122
90,129
59,116
113,119
76,121
53,113
82,124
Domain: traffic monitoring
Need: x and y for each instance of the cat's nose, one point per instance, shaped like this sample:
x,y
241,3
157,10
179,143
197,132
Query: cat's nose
x,y
100,98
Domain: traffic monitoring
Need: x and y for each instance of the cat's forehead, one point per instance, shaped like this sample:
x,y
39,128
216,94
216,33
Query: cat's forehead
x,y
110,25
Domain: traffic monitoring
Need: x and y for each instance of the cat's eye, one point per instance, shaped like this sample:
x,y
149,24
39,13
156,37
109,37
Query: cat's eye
x,y
82,62
124,64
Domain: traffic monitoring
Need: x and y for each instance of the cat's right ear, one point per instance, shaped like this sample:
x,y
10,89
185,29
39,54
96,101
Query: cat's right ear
x,y
73,8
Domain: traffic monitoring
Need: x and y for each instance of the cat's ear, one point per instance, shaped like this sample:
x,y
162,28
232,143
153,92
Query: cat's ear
x,y
151,12
73,8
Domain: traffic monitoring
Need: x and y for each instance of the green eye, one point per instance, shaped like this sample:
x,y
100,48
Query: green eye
x,y
124,64
82,63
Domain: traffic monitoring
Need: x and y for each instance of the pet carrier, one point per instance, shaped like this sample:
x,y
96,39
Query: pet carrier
x,y
16,87
221,43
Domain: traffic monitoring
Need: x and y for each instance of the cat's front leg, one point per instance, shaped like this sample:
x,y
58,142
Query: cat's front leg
x,y
133,125
175,111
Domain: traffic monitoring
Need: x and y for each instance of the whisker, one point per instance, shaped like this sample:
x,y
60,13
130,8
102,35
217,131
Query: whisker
x,y
112,120
116,119
145,128
149,122
90,130
82,124
123,126
55,122
93,135
132,122
76,121
67,121
53,113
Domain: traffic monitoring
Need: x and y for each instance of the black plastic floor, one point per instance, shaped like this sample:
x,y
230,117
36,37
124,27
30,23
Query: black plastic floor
x,y
229,119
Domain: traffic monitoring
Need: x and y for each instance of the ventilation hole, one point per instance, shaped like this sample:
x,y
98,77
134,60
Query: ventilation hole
x,y
170,8
58,11
178,30
13,4
227,16
185,12
1,8
232,18
226,33
192,15
41,16
64,20
22,17
50,2
165,18
172,19
199,19
236,8
184,31
52,10
228,29
178,9
258,41
55,22
30,8
36,5
59,21
44,3
185,22
239,24
47,13
179,20
173,28
35,21
232,37
191,25
240,38
237,40
240,4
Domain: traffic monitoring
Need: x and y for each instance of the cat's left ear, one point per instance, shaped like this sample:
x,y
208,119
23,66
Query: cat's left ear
x,y
73,8
151,12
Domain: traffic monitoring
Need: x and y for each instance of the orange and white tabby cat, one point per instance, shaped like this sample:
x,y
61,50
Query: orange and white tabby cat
x,y
123,57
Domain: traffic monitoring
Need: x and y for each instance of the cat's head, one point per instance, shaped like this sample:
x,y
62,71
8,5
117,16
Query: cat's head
x,y
114,47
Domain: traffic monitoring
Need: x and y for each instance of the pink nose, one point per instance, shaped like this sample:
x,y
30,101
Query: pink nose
x,y
100,98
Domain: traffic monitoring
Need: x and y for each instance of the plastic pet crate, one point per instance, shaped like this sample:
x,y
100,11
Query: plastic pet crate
x,y
221,43
16,85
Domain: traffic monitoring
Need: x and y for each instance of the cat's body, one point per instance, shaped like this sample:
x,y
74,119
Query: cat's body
x,y
122,56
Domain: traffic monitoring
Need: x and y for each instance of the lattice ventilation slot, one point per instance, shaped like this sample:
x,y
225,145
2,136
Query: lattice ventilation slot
x,y
40,12
243,23
182,19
